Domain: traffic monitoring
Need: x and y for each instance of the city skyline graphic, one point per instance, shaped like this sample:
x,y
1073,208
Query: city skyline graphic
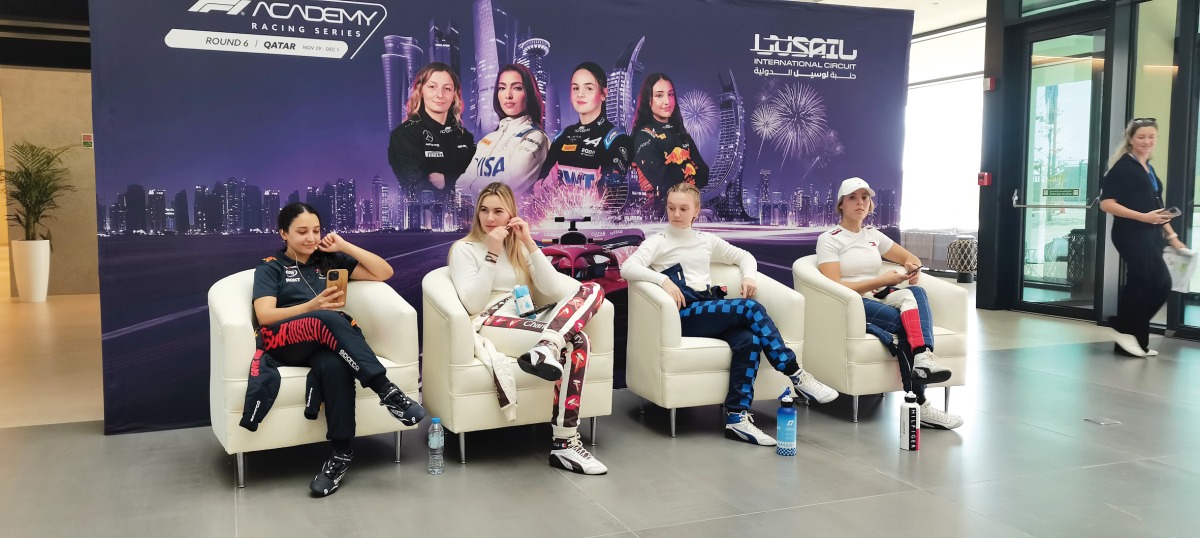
x,y
496,34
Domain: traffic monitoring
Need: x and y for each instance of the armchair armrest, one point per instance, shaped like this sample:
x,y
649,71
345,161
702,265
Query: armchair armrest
x,y
387,321
948,303
231,310
449,337
653,316
785,305
835,309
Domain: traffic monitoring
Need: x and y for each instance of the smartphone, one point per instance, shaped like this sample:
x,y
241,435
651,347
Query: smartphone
x,y
1172,212
917,270
338,278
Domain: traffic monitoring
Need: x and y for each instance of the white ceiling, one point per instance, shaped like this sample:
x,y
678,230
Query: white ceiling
x,y
929,14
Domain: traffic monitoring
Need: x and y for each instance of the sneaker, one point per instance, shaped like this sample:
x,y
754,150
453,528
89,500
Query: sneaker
x,y
327,481
745,430
804,383
405,409
1151,352
542,361
928,370
932,417
569,454
1129,344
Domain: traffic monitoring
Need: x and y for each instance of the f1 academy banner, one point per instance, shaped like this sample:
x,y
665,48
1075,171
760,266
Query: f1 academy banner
x,y
210,115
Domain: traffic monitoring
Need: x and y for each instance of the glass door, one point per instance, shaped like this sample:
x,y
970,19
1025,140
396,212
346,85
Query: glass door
x,y
1062,167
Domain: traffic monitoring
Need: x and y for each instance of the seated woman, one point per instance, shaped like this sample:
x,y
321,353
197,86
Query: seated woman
x,y
485,266
300,325
849,254
678,260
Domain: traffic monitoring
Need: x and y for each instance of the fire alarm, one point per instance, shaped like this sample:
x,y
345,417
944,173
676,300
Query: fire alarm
x,y
985,179
989,84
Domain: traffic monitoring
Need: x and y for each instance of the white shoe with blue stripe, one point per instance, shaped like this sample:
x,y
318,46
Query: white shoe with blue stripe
x,y
744,430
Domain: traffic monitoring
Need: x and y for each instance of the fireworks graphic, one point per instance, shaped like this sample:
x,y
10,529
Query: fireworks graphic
x,y
766,122
831,146
802,117
566,201
700,115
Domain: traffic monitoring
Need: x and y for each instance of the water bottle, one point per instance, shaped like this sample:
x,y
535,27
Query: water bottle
x,y
910,423
785,425
522,300
437,447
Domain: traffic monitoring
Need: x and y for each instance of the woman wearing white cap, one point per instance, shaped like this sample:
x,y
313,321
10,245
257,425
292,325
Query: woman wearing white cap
x,y
850,254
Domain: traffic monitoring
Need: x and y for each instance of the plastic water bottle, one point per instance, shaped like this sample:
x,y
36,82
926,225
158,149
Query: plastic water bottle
x,y
910,423
437,447
785,425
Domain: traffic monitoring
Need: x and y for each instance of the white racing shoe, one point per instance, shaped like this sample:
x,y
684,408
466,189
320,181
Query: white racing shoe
x,y
568,454
744,430
804,383
932,417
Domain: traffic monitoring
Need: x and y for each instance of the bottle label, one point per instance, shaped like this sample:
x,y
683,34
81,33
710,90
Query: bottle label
x,y
910,429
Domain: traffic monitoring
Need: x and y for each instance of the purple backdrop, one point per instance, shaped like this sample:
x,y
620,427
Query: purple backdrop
x,y
211,114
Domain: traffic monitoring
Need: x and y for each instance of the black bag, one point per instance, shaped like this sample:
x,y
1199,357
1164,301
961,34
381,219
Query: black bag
x,y
711,293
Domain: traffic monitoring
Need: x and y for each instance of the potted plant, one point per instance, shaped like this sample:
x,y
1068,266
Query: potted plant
x,y
33,184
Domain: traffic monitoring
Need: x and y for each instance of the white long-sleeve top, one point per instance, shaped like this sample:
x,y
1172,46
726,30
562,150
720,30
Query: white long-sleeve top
x,y
478,282
693,250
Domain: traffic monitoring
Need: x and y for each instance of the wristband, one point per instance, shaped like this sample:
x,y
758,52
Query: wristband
x,y
490,258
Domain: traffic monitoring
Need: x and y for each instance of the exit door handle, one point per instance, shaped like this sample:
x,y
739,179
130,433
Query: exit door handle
x,y
1016,195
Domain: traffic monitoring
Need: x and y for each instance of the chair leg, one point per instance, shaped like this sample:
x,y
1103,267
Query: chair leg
x,y
593,421
641,405
947,406
855,409
672,422
462,448
241,469
396,436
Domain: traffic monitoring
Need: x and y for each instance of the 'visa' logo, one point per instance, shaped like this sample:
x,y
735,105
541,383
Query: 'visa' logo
x,y
490,166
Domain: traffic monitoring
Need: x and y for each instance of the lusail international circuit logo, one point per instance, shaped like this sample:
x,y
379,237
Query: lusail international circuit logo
x,y
314,28
804,57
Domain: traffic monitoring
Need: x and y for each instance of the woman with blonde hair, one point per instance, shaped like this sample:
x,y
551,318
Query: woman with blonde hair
x,y
678,260
1132,193
430,150
486,266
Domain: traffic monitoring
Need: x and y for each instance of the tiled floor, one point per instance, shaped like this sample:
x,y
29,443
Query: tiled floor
x,y
1024,464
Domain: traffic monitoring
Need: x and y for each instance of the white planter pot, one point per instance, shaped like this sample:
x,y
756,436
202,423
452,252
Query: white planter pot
x,y
31,266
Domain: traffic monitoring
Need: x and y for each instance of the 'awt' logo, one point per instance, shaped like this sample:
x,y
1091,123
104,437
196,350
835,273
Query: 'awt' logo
x,y
233,7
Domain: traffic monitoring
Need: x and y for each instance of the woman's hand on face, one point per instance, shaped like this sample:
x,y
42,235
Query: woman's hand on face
x,y
495,240
1156,217
438,180
332,242
749,288
674,292
518,226
328,299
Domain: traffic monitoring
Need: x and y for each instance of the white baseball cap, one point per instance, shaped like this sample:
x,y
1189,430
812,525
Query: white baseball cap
x,y
853,184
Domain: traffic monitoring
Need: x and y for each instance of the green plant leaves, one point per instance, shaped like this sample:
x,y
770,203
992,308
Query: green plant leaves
x,y
33,185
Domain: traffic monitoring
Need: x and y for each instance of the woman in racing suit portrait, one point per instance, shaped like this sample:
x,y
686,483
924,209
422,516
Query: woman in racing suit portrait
x,y
430,150
592,154
664,153
514,152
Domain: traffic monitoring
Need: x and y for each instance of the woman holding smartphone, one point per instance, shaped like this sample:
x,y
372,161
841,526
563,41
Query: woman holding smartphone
x,y
664,151
852,255
678,260
485,266
1132,194
300,325
512,154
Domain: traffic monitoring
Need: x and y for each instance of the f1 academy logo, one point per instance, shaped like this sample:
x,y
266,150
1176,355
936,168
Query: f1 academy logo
x,y
232,8
351,23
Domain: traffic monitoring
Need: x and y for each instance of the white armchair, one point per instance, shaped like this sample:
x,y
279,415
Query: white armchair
x,y
386,320
673,371
458,387
846,357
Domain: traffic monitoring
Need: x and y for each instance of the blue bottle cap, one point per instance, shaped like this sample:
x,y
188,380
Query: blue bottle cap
x,y
436,421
